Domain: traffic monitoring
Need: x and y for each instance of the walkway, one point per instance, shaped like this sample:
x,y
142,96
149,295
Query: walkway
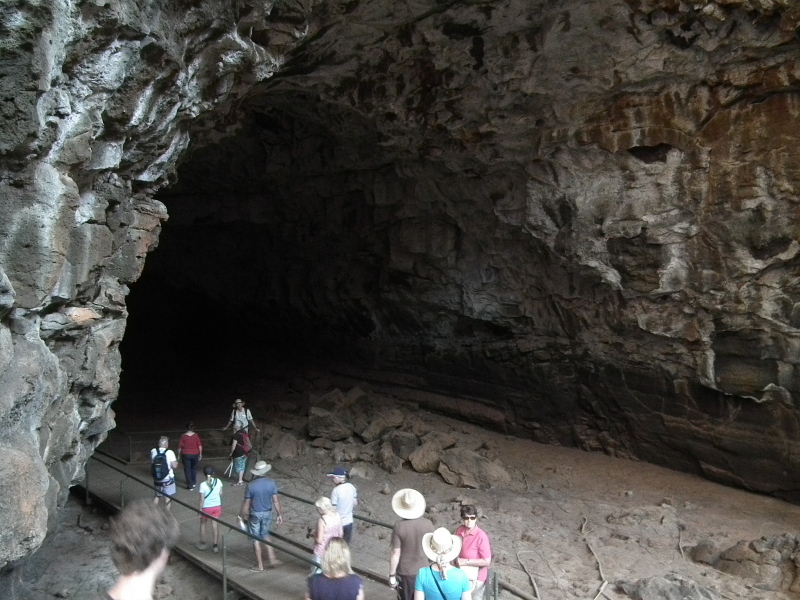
x,y
236,553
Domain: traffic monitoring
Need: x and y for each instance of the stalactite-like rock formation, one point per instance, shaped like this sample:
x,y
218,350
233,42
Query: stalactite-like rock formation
x,y
582,215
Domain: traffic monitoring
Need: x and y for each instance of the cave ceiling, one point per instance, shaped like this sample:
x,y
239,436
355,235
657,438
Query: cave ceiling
x,y
581,213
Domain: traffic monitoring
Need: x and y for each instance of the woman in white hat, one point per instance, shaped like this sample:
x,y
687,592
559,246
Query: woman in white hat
x,y
241,418
441,580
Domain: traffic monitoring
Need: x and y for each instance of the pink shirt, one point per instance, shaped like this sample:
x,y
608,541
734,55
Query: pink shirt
x,y
475,544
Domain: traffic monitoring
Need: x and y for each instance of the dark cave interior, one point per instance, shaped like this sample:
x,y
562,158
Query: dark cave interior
x,y
299,238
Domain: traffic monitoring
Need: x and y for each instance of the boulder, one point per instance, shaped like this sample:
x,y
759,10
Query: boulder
x,y
669,587
331,401
426,458
363,470
325,424
403,443
464,468
283,445
388,460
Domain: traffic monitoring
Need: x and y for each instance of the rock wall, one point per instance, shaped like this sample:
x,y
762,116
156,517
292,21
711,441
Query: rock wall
x,y
580,212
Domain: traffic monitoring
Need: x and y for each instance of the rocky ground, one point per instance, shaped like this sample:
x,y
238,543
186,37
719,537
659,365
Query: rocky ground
x,y
573,522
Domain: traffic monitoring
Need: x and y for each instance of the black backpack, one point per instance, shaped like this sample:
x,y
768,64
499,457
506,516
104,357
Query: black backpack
x,y
159,467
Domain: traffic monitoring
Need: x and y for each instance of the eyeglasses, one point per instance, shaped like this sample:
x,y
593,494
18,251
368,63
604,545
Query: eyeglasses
x,y
469,518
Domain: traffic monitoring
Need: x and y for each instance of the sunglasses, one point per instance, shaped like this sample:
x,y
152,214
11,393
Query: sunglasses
x,y
469,518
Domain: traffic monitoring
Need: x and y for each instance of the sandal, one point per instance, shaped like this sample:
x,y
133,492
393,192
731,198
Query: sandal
x,y
256,569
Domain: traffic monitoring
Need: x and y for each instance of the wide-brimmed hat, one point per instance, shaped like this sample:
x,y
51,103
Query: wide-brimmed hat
x,y
408,504
440,546
260,468
237,401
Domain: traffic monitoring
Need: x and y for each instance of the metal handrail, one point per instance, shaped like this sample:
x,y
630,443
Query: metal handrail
x,y
355,516
220,521
496,580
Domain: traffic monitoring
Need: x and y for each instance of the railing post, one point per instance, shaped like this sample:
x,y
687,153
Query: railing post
x,y
225,564
88,498
121,492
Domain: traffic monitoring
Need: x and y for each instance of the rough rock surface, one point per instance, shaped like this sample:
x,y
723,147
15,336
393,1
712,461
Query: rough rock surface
x,y
579,215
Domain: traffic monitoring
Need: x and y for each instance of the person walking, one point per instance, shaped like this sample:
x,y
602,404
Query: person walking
x,y
241,418
329,525
190,452
211,505
345,498
407,557
476,552
142,535
337,580
239,453
162,465
260,501
441,580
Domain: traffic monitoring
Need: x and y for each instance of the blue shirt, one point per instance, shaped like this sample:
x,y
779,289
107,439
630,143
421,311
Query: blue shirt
x,y
452,587
324,588
260,493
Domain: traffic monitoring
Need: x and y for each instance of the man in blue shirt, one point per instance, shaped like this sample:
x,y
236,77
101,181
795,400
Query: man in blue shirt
x,y
260,501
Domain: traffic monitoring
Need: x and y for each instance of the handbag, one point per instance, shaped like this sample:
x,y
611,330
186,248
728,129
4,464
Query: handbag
x,y
472,574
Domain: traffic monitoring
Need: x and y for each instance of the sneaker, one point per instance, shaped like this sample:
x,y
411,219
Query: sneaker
x,y
215,549
191,487
201,546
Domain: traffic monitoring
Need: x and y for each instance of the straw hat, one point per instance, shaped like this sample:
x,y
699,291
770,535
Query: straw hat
x,y
237,401
440,546
260,468
408,504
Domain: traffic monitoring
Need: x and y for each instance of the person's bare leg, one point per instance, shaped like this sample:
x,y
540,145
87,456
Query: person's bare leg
x,y
273,560
167,502
203,531
257,548
215,531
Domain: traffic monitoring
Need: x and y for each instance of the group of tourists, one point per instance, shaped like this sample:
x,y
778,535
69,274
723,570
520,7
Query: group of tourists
x,y
433,563
424,562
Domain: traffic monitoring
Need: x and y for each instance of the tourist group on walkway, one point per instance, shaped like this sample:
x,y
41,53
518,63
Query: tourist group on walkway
x,y
424,562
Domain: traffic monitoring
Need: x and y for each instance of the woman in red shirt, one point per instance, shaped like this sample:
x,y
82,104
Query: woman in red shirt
x,y
190,451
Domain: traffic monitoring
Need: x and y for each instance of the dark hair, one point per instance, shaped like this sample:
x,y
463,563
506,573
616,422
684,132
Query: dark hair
x,y
209,470
468,509
189,425
140,532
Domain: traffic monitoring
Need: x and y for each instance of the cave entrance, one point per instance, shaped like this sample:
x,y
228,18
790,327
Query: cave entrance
x,y
272,255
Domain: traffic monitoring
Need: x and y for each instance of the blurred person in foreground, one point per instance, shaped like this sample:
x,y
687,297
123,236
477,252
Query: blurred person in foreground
x,y
142,535
337,580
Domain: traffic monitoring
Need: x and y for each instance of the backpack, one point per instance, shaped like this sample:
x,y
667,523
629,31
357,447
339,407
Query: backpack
x,y
246,445
158,466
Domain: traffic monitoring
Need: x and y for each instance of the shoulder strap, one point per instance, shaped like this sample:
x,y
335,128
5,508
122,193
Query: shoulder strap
x,y
213,485
436,581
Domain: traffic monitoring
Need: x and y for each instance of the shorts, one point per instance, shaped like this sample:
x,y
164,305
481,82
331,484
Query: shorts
x,y
212,511
165,489
259,524
239,464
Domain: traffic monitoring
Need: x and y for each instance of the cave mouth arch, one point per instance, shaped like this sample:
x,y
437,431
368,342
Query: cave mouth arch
x,y
295,236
